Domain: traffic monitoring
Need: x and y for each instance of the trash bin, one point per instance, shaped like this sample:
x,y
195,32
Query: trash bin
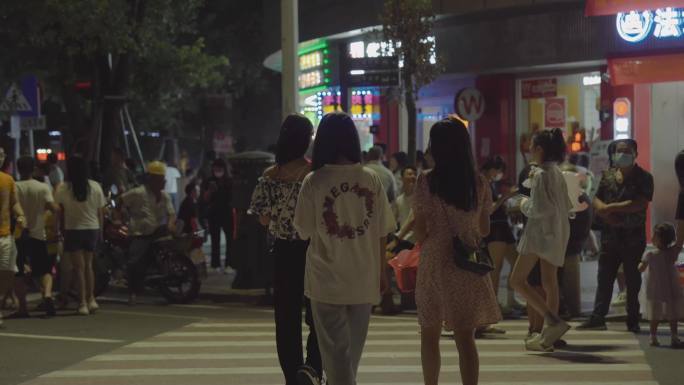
x,y
250,250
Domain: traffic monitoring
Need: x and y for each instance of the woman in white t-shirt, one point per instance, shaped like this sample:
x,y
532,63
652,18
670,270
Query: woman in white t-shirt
x,y
343,210
82,203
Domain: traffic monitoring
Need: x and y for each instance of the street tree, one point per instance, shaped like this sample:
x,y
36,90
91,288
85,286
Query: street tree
x,y
408,27
144,52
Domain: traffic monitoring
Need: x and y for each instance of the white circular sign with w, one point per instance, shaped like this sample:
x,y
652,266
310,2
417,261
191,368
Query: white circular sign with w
x,y
469,104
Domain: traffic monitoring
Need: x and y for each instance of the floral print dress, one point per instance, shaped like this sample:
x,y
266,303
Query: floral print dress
x,y
446,294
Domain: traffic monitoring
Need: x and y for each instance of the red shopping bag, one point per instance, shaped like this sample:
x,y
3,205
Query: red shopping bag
x,y
405,266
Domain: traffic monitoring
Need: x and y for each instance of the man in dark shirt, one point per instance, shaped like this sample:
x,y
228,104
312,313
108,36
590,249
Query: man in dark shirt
x,y
621,204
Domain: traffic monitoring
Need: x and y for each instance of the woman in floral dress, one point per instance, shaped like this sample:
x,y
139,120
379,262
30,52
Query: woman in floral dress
x,y
452,199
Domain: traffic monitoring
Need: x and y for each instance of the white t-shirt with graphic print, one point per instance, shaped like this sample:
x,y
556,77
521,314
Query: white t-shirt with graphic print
x,y
344,211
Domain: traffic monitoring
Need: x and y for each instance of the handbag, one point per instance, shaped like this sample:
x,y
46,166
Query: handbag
x,y
473,259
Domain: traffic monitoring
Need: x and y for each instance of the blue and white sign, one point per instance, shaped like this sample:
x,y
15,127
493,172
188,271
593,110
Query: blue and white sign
x,y
635,26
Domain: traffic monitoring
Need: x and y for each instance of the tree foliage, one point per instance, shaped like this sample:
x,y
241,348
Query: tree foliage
x,y
408,26
147,52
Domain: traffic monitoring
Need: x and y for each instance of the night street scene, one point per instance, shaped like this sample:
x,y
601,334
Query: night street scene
x,y
341,192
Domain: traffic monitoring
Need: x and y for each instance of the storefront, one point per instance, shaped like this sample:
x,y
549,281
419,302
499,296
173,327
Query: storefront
x,y
650,79
328,83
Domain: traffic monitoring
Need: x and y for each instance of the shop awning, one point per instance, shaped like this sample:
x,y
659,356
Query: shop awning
x,y
613,7
646,69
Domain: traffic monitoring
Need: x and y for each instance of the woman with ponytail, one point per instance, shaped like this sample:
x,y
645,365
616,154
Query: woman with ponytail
x,y
545,237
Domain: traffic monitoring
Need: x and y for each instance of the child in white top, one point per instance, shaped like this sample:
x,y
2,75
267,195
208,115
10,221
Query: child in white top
x,y
664,297
344,211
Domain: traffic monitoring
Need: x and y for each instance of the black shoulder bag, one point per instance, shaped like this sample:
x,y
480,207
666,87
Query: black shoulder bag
x,y
473,259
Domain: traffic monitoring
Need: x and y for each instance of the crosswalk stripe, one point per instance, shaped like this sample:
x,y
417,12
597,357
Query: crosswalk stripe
x,y
386,355
373,324
371,342
193,334
363,369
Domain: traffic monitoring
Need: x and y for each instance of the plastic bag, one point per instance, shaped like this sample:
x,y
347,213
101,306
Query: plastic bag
x,y
405,266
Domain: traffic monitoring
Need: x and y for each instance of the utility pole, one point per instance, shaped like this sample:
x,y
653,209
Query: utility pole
x,y
289,22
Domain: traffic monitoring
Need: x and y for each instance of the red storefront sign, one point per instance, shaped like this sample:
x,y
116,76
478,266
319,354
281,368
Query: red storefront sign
x,y
613,7
646,69
554,113
539,88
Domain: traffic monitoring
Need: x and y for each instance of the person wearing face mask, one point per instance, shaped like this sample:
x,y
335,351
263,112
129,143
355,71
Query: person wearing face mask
x,y
621,204
217,195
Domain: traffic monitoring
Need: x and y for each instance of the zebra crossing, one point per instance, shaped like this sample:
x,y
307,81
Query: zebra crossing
x,y
243,353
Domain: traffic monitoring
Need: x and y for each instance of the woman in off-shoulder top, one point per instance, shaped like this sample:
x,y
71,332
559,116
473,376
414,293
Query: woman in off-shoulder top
x,y
274,200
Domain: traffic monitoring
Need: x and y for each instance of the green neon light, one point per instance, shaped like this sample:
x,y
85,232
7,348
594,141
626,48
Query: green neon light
x,y
312,48
313,89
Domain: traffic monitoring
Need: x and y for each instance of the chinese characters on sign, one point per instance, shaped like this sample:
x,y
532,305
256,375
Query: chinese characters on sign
x,y
539,88
635,26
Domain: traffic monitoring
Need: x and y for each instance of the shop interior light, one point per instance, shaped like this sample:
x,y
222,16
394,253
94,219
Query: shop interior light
x,y
357,72
54,133
591,80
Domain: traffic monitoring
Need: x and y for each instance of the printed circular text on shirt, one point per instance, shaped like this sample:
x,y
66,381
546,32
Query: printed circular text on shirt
x,y
346,230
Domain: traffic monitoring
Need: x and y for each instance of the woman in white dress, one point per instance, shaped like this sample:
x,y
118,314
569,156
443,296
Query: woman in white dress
x,y
545,237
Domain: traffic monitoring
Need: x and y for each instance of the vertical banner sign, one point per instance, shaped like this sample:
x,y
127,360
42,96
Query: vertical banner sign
x,y
554,113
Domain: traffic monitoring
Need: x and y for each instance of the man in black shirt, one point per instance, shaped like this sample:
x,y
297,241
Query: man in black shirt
x,y
621,204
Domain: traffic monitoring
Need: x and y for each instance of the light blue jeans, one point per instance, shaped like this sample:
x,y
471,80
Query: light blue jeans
x,y
342,331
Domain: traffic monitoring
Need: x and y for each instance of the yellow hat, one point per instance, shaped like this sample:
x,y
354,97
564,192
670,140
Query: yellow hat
x,y
156,168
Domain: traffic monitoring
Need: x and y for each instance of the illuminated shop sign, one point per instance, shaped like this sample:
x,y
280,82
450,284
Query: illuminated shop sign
x,y
622,119
311,60
635,26
314,64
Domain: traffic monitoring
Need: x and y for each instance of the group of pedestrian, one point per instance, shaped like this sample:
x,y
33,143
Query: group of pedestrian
x,y
331,217
74,209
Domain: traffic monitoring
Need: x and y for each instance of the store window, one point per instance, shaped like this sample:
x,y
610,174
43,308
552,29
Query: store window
x,y
570,102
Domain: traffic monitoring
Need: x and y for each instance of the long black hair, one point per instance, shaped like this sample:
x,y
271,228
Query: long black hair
x,y
294,139
553,143
454,178
336,138
77,175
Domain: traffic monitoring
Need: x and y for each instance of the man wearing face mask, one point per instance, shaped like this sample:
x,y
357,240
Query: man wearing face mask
x,y
621,203
150,213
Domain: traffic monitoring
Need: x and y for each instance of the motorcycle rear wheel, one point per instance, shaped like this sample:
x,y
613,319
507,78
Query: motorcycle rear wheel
x,y
182,283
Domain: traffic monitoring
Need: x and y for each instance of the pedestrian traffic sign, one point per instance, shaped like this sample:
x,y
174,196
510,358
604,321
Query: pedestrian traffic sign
x,y
15,101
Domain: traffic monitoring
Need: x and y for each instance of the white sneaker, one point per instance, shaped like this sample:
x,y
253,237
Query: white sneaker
x,y
83,309
621,300
93,306
535,343
228,270
219,270
553,333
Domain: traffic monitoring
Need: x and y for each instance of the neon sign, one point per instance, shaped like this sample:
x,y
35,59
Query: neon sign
x,y
635,26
